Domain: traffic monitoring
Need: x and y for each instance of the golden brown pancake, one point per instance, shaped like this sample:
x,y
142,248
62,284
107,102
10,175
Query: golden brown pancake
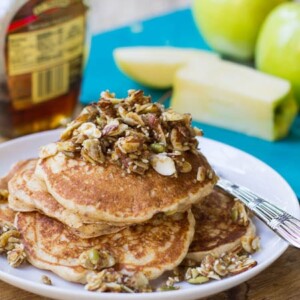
x,y
17,184
7,215
215,230
5,179
28,193
152,248
107,194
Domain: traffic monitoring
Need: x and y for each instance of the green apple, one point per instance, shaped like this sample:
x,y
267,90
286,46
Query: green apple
x,y
236,97
278,46
155,66
231,26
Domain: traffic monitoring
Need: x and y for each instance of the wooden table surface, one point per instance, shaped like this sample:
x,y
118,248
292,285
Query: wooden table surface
x,y
282,279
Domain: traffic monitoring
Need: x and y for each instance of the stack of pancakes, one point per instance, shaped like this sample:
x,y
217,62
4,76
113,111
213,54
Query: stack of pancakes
x,y
148,223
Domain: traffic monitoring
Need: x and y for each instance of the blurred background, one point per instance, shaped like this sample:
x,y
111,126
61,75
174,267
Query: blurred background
x,y
105,14
233,64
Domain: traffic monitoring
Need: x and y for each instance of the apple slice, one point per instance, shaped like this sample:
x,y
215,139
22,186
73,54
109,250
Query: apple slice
x,y
235,97
155,66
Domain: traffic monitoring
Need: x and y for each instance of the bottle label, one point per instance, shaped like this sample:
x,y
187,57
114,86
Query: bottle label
x,y
44,50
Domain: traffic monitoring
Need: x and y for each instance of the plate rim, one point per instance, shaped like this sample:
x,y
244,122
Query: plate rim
x,y
224,284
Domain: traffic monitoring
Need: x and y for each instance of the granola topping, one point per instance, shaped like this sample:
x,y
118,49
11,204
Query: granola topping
x,y
46,280
94,259
3,195
10,244
239,214
250,243
132,132
109,280
16,256
170,284
213,267
9,238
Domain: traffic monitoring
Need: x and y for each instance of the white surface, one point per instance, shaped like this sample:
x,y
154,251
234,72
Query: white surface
x,y
108,14
234,164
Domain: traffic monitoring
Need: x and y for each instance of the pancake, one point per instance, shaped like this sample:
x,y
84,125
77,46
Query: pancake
x,y
215,230
151,248
28,193
7,215
16,184
106,193
5,179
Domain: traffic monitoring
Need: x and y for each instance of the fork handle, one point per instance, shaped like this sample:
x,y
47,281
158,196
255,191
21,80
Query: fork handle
x,y
284,224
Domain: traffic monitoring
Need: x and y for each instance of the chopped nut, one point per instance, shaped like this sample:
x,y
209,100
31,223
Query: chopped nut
x,y
177,141
129,144
250,243
3,195
185,167
48,150
163,164
8,239
234,214
220,268
165,288
90,130
94,256
243,264
171,116
198,132
10,244
217,267
86,114
46,280
67,146
198,280
109,280
239,214
128,132
201,174
16,256
94,259
169,284
92,151
158,148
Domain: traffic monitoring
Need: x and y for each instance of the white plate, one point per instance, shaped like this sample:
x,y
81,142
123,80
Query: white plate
x,y
235,164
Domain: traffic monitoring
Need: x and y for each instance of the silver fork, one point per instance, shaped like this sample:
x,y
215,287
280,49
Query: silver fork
x,y
281,222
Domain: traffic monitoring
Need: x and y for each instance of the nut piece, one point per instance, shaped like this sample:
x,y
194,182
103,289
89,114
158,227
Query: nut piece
x,y
94,259
198,280
239,214
163,164
213,267
169,284
48,150
92,151
9,238
158,148
184,167
16,256
201,174
11,245
3,195
46,280
90,130
250,243
109,280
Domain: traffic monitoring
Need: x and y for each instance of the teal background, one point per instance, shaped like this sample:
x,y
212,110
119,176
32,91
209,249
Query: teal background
x,y
178,29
